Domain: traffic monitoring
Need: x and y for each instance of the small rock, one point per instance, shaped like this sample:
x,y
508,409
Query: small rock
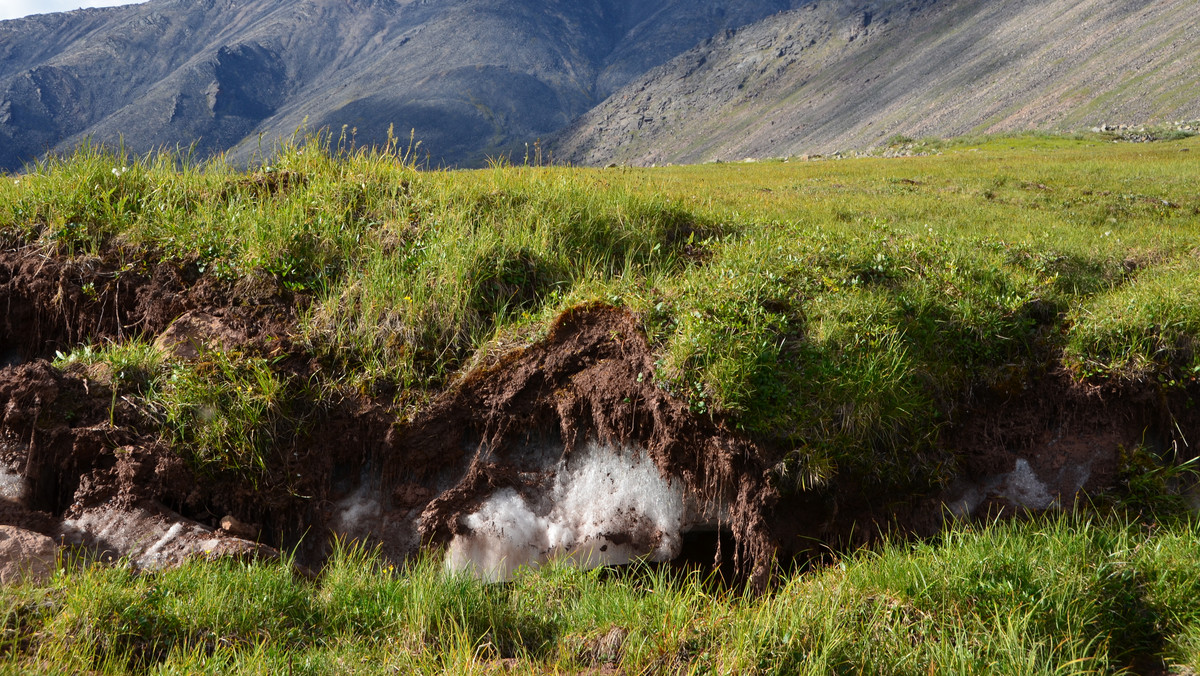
x,y
152,537
232,525
194,333
25,555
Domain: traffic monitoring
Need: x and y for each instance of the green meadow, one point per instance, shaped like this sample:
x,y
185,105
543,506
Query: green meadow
x,y
837,309
874,290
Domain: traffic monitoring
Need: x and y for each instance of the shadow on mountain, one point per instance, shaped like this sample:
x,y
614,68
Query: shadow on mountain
x,y
462,117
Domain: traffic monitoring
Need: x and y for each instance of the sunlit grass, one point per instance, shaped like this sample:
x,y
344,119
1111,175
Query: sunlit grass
x,y
1060,595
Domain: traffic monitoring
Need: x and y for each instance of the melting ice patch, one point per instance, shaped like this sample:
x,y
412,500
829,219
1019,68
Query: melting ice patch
x,y
1023,487
12,485
606,506
357,511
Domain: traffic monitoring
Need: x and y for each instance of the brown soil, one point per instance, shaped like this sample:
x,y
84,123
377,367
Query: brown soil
x,y
54,303
1076,439
25,556
357,469
1060,427
591,377
76,444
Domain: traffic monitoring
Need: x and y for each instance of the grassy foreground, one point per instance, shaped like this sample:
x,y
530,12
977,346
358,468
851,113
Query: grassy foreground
x,y
1065,595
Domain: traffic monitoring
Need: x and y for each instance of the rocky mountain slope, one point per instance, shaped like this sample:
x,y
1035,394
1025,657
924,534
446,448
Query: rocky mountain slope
x,y
470,76
840,75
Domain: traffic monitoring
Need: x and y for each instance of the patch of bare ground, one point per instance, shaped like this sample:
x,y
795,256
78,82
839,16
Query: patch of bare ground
x,y
591,378
1025,446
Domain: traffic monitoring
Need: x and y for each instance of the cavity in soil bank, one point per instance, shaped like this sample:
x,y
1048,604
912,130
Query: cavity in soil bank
x,y
563,448
502,468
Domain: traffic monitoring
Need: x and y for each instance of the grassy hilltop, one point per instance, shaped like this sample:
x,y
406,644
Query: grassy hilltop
x,y
839,312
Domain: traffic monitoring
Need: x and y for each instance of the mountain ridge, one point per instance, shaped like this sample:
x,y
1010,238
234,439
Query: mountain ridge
x,y
472,77
599,81
839,76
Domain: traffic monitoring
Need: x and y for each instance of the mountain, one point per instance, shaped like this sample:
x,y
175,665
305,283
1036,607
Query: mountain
x,y
471,77
638,81
843,75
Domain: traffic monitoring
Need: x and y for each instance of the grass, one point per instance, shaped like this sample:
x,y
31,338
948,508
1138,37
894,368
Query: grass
x,y
1058,595
833,310
1144,330
230,410
225,411
876,291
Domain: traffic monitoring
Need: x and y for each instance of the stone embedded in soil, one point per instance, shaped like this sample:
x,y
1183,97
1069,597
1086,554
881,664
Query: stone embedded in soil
x,y
195,332
152,538
240,529
26,556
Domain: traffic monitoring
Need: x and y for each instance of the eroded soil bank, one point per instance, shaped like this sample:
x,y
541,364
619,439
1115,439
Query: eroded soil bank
x,y
563,447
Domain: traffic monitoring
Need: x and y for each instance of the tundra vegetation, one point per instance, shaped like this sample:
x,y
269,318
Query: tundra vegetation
x,y
838,309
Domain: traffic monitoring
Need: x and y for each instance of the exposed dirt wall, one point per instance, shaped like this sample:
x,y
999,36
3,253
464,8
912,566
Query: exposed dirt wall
x,y
73,451
54,303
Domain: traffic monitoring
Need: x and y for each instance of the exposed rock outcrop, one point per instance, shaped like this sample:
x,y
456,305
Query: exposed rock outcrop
x,y
840,75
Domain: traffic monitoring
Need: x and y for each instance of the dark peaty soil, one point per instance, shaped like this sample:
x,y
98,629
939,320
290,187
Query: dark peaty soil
x,y
54,303
590,378
361,470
